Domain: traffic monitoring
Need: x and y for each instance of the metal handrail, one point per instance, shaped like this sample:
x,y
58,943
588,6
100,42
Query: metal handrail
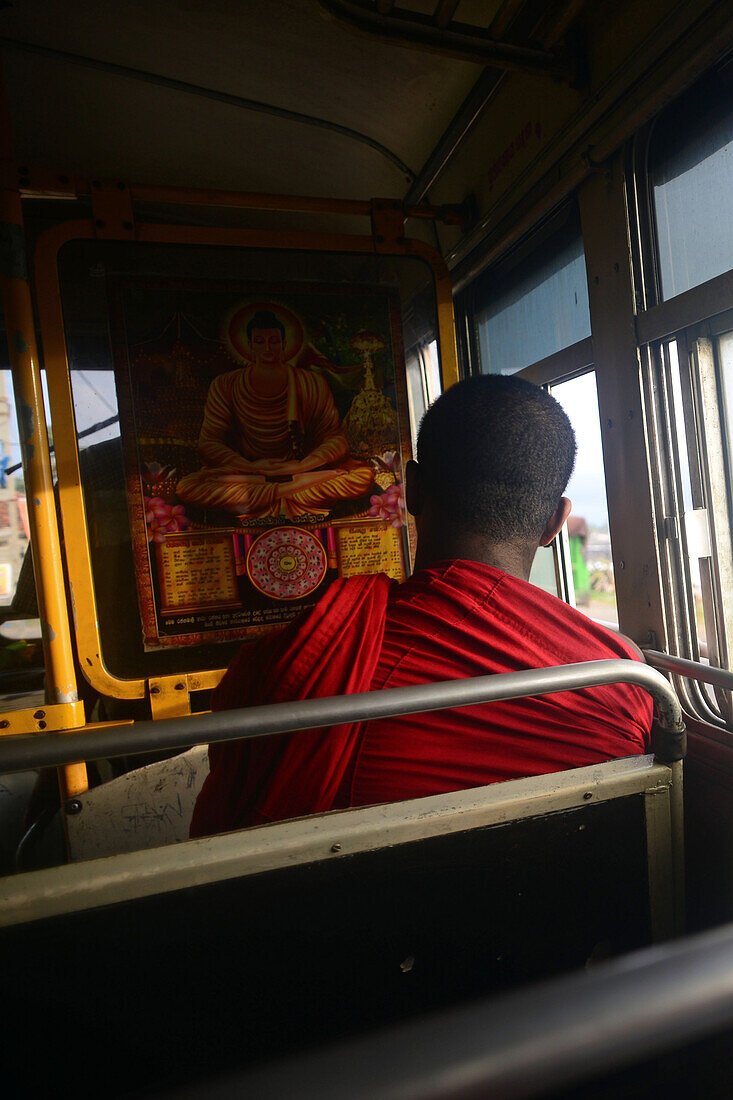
x,y
548,1036
691,670
25,752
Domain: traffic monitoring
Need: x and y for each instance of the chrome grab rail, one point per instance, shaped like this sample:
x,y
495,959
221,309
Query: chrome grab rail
x,y
692,670
522,1044
28,751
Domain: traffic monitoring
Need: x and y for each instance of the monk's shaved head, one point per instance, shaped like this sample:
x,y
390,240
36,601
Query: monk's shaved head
x,y
495,454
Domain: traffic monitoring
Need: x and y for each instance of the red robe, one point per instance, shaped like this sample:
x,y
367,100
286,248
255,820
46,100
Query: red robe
x,y
452,620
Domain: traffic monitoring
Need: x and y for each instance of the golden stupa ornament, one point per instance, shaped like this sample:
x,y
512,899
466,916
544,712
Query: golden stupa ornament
x,y
371,422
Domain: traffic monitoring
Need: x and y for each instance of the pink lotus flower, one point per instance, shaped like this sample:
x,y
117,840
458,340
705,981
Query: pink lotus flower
x,y
389,461
389,505
163,519
156,472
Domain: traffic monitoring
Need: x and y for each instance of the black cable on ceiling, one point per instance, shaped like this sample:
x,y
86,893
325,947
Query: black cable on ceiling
x,y
206,93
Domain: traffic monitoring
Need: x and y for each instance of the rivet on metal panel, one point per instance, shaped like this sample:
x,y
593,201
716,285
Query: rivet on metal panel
x,y
54,716
112,209
37,182
73,806
388,224
336,847
169,697
587,796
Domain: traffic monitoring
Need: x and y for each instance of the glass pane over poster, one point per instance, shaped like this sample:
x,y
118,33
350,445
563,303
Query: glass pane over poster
x,y
263,434
262,428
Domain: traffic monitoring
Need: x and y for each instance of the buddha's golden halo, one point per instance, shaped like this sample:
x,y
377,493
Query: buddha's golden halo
x,y
235,329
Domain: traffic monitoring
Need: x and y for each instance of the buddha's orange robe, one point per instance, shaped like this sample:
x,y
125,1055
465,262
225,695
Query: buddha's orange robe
x,y
241,428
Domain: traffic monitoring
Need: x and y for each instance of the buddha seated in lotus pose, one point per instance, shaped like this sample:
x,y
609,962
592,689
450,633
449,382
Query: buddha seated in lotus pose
x,y
271,438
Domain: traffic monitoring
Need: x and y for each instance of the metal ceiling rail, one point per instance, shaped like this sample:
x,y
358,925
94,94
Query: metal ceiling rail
x,y
524,1044
456,133
207,93
307,204
485,88
25,752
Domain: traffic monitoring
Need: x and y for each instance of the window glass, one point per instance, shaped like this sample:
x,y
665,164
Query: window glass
x,y
544,574
432,371
423,384
535,310
685,484
725,356
21,655
691,166
95,407
14,533
588,532
99,281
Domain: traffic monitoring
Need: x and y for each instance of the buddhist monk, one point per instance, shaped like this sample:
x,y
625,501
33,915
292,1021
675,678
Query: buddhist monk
x,y
271,439
494,456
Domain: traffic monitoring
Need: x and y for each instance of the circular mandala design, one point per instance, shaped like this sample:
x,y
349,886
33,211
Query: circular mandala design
x,y
286,563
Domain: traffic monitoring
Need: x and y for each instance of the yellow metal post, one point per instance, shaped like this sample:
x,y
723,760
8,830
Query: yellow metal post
x,y
47,563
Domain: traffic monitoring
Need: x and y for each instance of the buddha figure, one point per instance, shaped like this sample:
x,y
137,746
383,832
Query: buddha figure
x,y
271,441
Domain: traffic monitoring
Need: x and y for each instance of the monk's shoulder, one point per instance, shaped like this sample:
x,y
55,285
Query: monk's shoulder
x,y
567,631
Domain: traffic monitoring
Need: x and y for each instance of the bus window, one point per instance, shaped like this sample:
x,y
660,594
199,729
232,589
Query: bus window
x,y
544,572
691,180
531,314
95,406
423,384
696,543
696,540
587,530
725,354
690,164
535,307
21,656
13,511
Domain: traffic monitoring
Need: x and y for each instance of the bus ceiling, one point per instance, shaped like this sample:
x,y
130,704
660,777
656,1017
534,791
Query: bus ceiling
x,y
435,100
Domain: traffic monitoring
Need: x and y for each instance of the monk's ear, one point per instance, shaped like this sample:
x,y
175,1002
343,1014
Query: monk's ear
x,y
413,488
556,521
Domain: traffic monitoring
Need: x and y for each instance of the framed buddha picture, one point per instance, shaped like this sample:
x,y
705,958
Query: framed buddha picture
x,y
265,432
